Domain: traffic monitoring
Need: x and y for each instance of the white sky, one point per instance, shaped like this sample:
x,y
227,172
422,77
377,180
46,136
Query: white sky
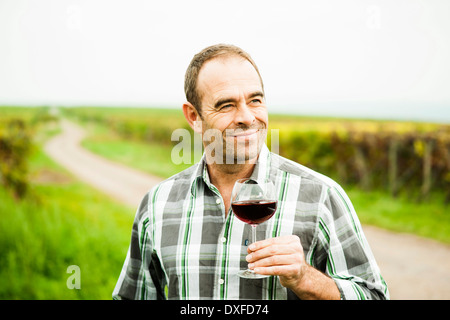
x,y
135,52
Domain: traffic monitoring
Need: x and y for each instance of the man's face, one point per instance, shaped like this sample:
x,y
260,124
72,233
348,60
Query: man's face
x,y
233,105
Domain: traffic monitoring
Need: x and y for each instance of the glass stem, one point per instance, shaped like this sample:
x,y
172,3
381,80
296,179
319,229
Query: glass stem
x,y
253,241
254,233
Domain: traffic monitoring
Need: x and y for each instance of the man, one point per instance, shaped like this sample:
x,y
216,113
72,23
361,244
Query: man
x,y
186,238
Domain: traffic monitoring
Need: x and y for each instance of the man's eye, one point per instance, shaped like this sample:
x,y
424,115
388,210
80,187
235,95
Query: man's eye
x,y
254,101
226,106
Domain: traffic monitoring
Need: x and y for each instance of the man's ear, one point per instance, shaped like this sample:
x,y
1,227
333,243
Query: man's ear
x,y
192,117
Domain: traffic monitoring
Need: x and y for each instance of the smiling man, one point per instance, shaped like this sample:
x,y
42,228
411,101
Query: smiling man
x,y
185,236
234,108
233,117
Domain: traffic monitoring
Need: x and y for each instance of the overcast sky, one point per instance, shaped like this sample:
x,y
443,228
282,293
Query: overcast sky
x,y
311,54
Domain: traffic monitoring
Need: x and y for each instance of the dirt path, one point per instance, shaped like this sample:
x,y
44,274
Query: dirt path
x,y
119,181
413,267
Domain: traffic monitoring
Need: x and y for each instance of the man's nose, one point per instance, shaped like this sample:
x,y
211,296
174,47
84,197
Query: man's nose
x,y
244,115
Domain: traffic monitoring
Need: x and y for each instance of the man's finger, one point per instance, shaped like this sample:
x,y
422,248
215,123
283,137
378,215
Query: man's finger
x,y
274,260
271,241
270,251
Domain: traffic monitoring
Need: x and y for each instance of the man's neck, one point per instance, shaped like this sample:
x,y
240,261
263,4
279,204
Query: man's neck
x,y
222,175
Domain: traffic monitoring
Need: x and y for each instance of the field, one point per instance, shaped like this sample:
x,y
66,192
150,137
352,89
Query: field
x,y
60,222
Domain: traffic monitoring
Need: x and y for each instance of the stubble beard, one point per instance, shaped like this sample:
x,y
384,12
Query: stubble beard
x,y
233,147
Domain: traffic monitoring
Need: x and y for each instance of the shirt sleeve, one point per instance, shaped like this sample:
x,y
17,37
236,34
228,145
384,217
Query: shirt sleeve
x,y
344,252
140,278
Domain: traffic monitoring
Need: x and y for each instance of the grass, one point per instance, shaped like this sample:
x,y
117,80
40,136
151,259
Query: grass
x,y
56,226
148,157
428,219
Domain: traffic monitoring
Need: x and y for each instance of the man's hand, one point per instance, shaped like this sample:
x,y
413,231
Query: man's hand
x,y
283,257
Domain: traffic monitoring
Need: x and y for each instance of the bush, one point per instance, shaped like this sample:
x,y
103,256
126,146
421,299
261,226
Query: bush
x,y
15,147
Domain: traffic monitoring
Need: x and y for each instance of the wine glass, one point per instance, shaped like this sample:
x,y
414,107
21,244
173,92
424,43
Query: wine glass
x,y
253,202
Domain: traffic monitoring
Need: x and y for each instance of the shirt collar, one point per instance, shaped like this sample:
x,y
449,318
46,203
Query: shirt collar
x,y
261,170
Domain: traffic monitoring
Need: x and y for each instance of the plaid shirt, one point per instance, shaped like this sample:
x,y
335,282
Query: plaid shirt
x,y
182,239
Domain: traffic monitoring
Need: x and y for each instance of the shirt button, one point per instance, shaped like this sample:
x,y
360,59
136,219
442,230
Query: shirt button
x,y
221,281
218,201
223,239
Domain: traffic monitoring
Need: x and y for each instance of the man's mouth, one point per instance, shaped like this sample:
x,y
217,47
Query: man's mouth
x,y
241,133
248,134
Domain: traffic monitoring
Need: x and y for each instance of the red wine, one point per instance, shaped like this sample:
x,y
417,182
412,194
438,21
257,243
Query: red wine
x,y
254,211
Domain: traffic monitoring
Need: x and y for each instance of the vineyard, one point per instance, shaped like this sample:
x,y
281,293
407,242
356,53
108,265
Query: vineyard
x,y
402,157
395,156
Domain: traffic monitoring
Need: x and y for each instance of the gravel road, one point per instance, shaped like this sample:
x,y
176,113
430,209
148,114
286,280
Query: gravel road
x,y
413,267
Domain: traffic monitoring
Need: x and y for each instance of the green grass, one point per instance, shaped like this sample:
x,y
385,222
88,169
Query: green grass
x,y
429,219
56,226
149,157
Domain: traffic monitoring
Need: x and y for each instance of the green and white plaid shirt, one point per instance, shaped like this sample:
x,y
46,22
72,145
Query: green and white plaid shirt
x,y
181,238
